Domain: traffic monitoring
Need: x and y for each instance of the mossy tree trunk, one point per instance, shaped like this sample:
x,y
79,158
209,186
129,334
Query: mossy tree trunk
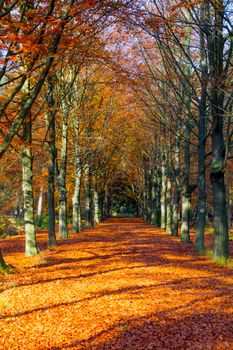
x,y
3,265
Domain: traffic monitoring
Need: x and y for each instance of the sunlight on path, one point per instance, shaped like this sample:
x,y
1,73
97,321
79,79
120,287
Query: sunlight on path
x,y
121,285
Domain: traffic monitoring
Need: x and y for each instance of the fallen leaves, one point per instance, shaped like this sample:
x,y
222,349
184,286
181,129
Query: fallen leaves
x,y
121,285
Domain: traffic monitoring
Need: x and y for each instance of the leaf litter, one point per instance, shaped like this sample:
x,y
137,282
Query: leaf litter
x,y
120,285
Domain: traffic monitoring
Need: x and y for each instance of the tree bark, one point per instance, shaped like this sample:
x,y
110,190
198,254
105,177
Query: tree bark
x,y
39,208
216,52
52,164
148,191
87,197
185,225
96,206
186,194
77,188
163,195
155,200
28,199
175,216
176,195
3,265
168,207
61,179
201,203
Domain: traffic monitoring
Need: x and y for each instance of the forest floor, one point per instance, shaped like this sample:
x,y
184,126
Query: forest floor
x,y
121,285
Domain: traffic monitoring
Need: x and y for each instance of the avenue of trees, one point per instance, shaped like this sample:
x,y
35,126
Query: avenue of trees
x,y
106,100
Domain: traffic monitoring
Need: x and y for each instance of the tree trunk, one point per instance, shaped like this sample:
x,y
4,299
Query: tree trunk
x,y
87,197
148,195
175,216
77,188
168,207
163,195
220,218
3,265
96,206
61,179
145,195
155,200
28,199
216,51
201,203
185,225
101,205
39,208
176,195
52,164
186,195
107,203
76,203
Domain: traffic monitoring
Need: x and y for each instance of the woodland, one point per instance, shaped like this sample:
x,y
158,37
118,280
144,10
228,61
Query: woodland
x,y
116,174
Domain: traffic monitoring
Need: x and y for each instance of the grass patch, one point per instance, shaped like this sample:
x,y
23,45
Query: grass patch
x,y
7,269
219,261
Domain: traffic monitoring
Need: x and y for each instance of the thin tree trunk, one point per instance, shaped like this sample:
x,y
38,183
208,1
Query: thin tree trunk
x,y
52,164
149,196
101,205
77,188
87,197
176,195
61,179
201,203
29,222
96,206
163,195
76,203
107,205
185,225
145,195
39,208
175,216
186,194
168,207
155,201
158,199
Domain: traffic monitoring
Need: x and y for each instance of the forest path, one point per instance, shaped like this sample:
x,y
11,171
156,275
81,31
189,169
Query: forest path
x,y
120,285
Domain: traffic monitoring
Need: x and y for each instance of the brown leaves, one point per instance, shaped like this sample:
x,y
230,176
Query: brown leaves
x,y
121,285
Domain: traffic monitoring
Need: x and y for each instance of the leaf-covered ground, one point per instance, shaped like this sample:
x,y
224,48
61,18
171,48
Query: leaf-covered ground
x,y
121,285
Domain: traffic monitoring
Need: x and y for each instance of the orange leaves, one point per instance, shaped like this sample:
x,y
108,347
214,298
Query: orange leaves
x,y
121,285
185,4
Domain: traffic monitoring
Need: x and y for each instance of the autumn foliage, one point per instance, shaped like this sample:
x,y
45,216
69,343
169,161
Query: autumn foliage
x,y
121,285
116,147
